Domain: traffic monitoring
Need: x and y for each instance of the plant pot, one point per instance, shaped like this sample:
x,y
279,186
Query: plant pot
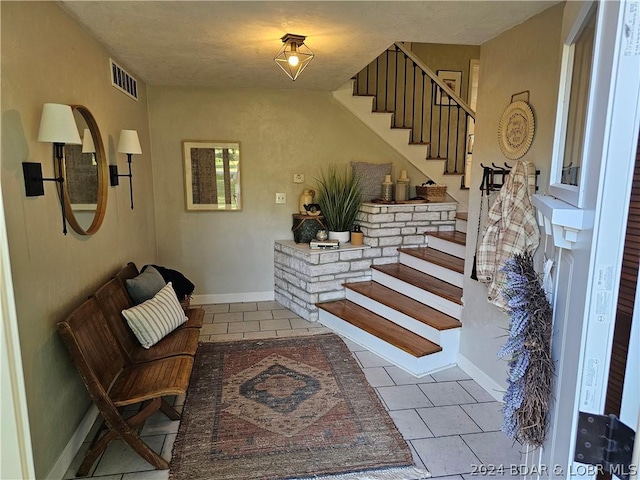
x,y
342,237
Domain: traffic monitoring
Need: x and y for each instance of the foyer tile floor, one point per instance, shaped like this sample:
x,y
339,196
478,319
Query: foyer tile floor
x,y
451,424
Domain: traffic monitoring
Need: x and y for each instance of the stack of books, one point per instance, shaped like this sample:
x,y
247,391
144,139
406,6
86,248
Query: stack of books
x,y
324,244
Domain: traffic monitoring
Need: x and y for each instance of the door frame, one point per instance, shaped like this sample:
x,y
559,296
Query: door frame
x,y
617,110
17,452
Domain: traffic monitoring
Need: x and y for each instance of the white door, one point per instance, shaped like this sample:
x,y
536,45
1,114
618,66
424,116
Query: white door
x,y
585,222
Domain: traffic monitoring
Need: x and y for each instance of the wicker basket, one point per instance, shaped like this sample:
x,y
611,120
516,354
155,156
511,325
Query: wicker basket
x,y
432,193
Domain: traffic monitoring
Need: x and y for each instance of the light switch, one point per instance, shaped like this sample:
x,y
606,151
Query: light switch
x,y
298,178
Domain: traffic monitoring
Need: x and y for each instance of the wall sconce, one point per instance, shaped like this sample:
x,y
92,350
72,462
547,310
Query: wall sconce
x,y
129,144
294,56
57,126
88,146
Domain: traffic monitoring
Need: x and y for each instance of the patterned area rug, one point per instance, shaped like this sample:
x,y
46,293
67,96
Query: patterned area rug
x,y
283,409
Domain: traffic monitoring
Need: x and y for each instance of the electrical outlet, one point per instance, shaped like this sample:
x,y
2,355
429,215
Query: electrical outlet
x,y
281,198
298,178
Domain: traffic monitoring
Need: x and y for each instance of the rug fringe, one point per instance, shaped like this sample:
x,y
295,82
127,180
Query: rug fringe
x,y
403,473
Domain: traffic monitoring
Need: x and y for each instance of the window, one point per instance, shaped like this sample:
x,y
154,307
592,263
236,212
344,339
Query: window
x,y
573,100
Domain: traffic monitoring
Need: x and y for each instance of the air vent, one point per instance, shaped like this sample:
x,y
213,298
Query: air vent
x,y
123,81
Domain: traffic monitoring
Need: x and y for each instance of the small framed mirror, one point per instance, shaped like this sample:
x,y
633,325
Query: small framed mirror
x,y
212,175
85,174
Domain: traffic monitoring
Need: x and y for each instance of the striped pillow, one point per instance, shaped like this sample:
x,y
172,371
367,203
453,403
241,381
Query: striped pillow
x,y
154,319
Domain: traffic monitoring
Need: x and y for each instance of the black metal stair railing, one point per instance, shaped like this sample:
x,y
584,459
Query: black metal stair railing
x,y
420,101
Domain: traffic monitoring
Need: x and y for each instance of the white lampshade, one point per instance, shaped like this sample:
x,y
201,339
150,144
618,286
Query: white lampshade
x,y
87,142
57,125
128,142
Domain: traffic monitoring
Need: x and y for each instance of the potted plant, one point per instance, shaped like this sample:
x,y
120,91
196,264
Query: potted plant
x,y
338,193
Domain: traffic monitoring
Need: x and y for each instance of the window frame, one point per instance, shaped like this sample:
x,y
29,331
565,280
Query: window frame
x,y
573,194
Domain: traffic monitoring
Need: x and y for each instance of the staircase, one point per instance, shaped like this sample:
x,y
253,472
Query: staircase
x,y
409,312
397,97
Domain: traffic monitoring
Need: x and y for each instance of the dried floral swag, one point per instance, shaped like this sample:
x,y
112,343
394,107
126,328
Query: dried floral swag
x,y
528,348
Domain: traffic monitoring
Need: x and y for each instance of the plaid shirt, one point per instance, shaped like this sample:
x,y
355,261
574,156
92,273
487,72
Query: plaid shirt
x,y
511,228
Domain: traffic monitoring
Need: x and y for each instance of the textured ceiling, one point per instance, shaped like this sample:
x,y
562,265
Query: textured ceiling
x,y
232,44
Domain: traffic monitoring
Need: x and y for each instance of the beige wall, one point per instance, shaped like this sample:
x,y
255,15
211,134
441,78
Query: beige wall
x,y
526,57
280,132
48,57
438,56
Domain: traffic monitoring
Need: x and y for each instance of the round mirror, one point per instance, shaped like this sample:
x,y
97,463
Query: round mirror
x,y
85,176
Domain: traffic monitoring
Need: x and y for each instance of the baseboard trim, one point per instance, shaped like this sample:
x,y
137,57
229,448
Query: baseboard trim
x,y
491,386
73,446
233,297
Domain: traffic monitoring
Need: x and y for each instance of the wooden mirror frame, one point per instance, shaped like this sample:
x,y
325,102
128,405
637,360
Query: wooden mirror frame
x,y
101,160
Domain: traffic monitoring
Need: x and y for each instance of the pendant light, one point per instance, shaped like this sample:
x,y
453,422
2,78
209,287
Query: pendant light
x,y
294,56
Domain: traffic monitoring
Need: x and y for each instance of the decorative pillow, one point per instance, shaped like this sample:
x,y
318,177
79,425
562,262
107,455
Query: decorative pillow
x,y
371,176
154,319
145,286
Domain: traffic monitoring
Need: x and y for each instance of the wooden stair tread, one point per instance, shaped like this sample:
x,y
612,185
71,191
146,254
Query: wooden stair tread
x,y
459,238
436,257
407,305
381,328
462,216
419,143
453,174
422,281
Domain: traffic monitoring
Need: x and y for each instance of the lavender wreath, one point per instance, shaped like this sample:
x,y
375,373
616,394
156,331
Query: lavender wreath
x,y
528,348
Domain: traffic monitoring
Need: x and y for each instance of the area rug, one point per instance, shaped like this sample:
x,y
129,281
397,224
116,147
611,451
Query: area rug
x,y
292,408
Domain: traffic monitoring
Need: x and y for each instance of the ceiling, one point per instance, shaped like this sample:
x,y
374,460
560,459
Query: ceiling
x,y
232,43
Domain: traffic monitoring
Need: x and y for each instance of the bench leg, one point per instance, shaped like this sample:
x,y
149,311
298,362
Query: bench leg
x,y
169,411
145,452
129,435
94,452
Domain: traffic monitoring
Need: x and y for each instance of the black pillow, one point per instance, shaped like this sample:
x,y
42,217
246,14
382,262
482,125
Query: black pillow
x,y
181,284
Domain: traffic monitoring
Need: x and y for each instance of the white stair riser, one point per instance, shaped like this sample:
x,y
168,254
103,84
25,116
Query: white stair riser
x,y
418,367
443,273
446,246
448,339
461,225
439,303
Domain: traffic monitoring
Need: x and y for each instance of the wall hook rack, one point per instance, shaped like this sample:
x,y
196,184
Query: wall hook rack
x,y
493,177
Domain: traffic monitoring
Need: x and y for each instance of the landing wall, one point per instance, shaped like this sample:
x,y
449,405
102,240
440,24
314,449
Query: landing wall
x,y
527,57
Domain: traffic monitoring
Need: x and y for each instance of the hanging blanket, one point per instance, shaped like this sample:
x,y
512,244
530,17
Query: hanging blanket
x,y
511,229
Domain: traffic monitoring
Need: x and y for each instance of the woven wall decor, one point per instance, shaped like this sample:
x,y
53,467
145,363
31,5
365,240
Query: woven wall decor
x,y
516,130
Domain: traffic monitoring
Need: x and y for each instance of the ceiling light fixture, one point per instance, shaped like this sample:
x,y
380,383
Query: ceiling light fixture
x,y
294,56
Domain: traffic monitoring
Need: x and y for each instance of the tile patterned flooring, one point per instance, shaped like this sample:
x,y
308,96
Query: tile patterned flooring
x,y
450,423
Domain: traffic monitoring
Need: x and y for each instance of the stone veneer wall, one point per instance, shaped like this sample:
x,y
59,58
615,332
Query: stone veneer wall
x,y
305,277
387,227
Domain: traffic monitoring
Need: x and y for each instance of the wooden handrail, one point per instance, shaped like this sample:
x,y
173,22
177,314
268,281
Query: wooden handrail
x,y
434,77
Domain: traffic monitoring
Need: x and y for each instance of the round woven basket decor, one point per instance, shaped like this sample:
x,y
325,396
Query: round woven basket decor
x,y
516,130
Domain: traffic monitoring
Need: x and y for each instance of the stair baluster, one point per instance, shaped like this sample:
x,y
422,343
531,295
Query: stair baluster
x,y
447,129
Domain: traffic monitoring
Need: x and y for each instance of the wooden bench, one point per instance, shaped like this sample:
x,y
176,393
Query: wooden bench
x,y
114,382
